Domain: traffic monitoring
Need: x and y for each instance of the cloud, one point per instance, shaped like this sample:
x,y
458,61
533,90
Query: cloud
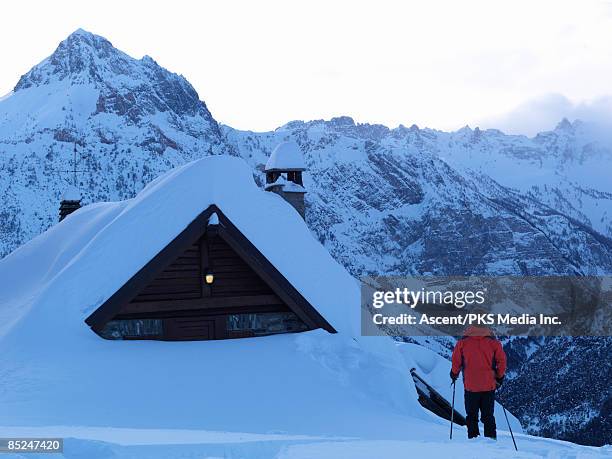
x,y
545,112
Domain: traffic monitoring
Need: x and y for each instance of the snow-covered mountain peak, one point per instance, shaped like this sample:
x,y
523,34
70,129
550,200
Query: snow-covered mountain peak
x,y
125,85
126,115
82,57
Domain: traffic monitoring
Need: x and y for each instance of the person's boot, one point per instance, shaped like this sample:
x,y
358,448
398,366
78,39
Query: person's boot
x,y
490,430
472,426
488,417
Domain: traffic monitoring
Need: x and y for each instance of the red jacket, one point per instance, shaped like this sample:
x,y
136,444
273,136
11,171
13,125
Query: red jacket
x,y
482,358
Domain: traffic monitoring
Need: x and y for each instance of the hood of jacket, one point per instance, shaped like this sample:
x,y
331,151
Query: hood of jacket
x,y
475,331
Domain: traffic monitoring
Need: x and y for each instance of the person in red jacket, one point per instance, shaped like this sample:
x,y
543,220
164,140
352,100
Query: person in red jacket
x,y
483,361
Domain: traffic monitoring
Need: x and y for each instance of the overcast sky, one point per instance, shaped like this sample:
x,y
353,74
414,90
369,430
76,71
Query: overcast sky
x,y
519,66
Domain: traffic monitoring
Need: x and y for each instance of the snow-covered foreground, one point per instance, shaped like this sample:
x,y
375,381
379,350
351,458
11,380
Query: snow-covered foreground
x,y
531,447
429,441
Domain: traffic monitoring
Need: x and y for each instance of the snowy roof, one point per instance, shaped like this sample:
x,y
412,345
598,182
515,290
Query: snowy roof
x,y
71,193
114,251
286,156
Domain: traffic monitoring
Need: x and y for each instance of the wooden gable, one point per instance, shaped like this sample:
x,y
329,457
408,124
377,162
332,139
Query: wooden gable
x,y
169,299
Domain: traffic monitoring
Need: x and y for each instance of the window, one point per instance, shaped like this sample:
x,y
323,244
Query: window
x,y
134,328
265,323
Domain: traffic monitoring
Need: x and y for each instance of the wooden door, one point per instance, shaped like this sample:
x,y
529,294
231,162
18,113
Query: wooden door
x,y
189,328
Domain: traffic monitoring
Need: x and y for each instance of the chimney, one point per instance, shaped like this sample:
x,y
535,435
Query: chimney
x,y
71,201
284,175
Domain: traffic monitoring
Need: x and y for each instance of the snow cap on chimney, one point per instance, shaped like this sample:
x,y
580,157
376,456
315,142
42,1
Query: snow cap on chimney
x,y
286,157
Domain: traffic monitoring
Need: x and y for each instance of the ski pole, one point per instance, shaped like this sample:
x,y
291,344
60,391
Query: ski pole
x,y
452,411
509,428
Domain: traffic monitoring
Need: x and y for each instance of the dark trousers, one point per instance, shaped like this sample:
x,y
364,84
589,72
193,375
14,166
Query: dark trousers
x,y
485,402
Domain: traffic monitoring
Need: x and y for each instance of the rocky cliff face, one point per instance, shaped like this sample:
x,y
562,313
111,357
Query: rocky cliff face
x,y
391,201
383,201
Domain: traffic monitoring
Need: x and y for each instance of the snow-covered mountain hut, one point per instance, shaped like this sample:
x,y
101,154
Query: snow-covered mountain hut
x,y
200,254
